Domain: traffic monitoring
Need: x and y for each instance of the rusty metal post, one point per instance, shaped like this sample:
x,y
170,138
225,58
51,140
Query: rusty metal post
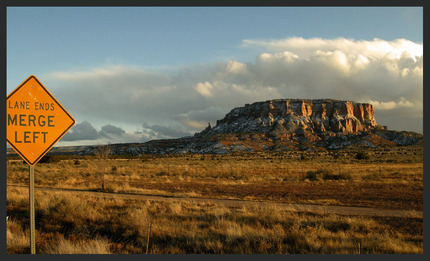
x,y
32,218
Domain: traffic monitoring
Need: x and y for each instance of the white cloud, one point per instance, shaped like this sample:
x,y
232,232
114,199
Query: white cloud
x,y
94,73
199,119
205,89
388,74
307,47
195,124
390,105
235,67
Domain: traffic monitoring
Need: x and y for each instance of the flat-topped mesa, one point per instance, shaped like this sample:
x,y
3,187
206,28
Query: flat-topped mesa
x,y
297,116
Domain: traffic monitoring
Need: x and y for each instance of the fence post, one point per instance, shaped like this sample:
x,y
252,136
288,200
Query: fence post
x,y
149,234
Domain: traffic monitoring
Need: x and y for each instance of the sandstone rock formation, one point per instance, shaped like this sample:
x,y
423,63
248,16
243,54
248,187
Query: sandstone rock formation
x,y
284,118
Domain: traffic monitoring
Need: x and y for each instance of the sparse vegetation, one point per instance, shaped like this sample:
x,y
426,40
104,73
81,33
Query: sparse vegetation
x,y
69,223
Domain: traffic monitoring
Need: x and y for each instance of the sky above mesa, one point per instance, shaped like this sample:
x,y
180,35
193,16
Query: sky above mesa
x,y
133,74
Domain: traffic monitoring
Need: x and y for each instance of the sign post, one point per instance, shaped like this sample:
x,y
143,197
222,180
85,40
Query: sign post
x,y
35,122
32,218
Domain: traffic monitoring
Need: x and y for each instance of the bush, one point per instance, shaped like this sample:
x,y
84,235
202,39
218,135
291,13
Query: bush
x,y
341,176
327,174
362,155
49,159
311,175
314,175
103,151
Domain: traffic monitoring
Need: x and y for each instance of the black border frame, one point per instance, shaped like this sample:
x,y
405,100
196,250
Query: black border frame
x,y
95,3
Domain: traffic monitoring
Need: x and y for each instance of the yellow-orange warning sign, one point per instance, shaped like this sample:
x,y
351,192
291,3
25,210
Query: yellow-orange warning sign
x,y
35,120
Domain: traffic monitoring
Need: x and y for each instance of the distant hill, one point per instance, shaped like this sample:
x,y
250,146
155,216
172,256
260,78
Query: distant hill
x,y
278,125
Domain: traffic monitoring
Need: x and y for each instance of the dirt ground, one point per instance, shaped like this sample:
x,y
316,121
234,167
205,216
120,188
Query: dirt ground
x,y
237,203
399,196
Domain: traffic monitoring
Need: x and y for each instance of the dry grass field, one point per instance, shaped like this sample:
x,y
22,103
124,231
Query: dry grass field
x,y
74,223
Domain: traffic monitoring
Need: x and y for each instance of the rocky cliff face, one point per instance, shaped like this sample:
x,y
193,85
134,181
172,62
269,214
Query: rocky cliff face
x,y
299,124
286,118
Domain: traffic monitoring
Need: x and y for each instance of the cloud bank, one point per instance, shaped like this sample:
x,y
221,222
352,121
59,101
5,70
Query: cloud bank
x,y
387,74
84,133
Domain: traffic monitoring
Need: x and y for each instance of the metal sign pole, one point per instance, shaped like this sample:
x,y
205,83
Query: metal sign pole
x,y
32,218
33,143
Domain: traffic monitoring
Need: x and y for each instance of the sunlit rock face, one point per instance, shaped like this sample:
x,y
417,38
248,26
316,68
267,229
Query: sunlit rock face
x,y
284,118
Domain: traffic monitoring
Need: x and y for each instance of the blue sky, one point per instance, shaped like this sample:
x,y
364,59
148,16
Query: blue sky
x,y
181,55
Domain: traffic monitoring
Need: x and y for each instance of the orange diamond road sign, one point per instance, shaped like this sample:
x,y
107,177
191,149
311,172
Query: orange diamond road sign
x,y
35,120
